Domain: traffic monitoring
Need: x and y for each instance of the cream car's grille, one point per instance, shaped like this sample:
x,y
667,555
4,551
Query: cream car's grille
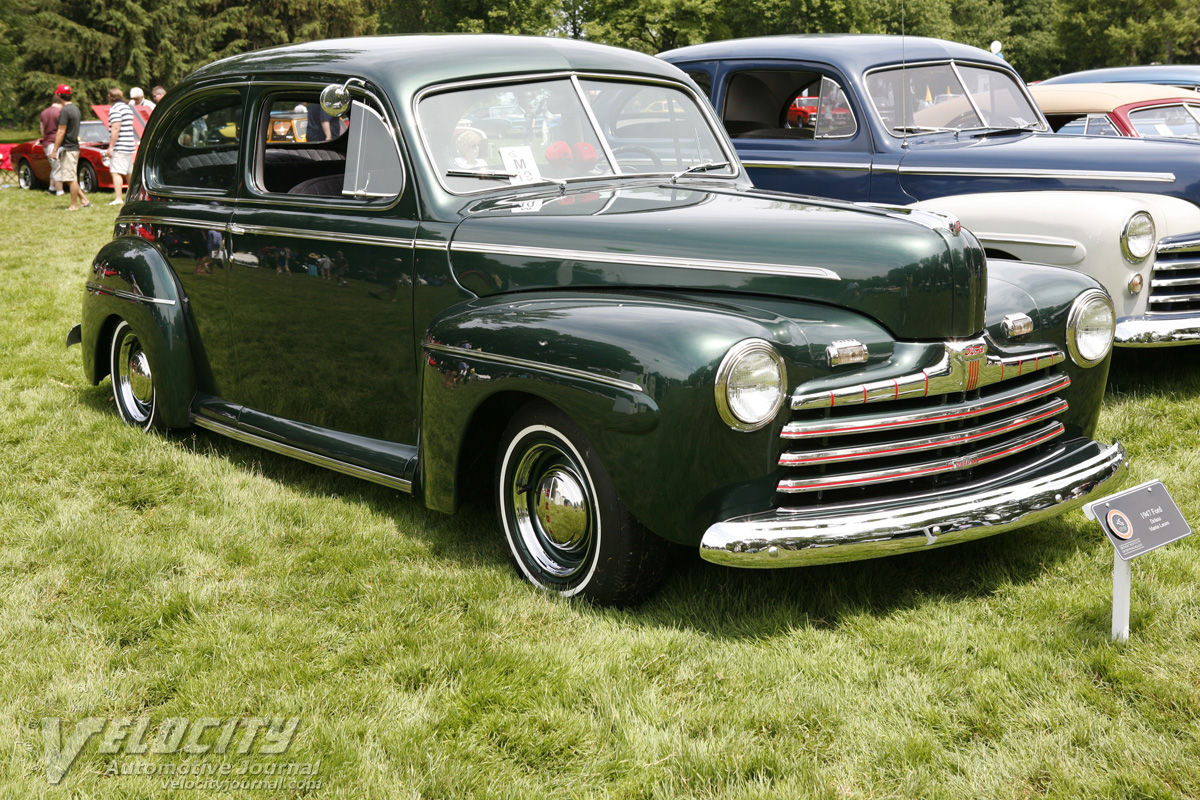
x,y
1175,283
969,416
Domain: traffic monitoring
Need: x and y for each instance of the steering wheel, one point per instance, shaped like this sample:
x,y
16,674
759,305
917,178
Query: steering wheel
x,y
639,150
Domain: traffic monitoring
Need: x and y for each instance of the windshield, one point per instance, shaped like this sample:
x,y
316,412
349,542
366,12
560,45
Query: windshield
x,y
951,96
566,129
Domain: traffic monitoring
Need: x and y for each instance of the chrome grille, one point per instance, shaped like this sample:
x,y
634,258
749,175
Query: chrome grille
x,y
966,417
1175,283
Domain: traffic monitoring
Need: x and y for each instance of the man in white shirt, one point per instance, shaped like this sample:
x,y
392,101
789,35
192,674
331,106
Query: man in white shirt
x,y
138,98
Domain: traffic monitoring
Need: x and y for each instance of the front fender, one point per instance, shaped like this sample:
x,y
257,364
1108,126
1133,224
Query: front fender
x,y
635,372
130,280
1079,230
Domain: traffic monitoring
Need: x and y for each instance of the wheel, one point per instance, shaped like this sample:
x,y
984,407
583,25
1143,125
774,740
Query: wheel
x,y
641,151
25,176
133,380
566,529
87,177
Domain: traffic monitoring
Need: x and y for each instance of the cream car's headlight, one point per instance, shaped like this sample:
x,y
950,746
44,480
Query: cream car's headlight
x,y
1090,328
751,384
1138,236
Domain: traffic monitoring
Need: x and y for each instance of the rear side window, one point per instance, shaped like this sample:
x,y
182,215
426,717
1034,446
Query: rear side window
x,y
778,104
199,147
301,150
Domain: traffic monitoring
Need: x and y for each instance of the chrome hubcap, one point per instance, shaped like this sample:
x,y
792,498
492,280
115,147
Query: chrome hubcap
x,y
134,382
553,511
560,509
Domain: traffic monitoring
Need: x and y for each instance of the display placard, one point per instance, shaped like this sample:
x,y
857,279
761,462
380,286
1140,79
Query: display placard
x,y
1140,519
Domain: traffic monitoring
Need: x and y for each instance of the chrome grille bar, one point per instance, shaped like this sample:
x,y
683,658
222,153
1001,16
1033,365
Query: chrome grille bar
x,y
955,412
1027,441
963,436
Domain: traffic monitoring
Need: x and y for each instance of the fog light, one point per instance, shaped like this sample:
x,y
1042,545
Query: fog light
x,y
1090,328
1135,283
751,383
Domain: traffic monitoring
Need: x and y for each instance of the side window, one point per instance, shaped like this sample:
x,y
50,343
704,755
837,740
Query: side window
x,y
199,148
835,120
779,104
302,150
1100,126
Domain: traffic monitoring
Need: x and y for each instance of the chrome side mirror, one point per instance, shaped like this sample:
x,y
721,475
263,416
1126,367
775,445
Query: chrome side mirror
x,y
335,99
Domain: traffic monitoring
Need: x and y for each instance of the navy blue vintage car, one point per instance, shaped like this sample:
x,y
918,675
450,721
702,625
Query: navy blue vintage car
x,y
895,120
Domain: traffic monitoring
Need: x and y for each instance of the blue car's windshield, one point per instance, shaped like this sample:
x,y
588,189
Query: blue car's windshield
x,y
949,96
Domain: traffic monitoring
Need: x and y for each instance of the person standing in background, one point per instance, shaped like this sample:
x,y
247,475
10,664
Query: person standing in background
x,y
321,127
156,95
66,147
49,129
121,143
138,98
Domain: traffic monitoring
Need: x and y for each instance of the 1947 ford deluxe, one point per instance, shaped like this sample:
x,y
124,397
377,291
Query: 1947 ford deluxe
x,y
591,315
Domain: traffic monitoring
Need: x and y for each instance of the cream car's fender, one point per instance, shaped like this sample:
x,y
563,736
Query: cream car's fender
x,y
1080,230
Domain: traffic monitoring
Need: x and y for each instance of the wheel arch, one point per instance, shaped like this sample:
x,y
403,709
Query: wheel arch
x,y
130,280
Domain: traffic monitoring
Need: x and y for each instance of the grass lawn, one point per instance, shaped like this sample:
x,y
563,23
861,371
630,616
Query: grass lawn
x,y
193,577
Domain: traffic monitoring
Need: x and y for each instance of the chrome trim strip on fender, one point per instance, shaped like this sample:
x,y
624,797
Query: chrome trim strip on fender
x,y
796,271
1008,238
429,244
839,165
353,470
174,221
852,531
1160,331
137,298
569,372
1077,174
325,236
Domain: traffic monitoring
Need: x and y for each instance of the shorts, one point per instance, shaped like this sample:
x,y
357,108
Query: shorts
x,y
55,165
122,163
68,163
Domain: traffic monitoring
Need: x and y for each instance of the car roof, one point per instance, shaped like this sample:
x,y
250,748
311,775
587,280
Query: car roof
x,y
854,52
1174,74
1100,98
407,63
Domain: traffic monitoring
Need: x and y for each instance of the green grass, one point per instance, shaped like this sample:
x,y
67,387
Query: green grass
x,y
191,576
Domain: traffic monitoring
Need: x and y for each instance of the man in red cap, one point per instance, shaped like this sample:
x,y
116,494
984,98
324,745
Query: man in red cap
x,y
66,146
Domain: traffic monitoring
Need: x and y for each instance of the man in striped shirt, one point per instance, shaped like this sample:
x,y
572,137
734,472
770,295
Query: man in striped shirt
x,y
122,143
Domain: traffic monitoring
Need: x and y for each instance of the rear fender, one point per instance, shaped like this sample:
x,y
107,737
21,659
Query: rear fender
x,y
130,280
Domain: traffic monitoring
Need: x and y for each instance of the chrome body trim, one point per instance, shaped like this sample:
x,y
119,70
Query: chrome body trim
x,y
1027,417
429,244
888,419
838,165
1041,241
1180,246
462,352
321,235
846,351
553,254
174,221
924,469
964,366
1077,174
96,288
1017,324
1078,471
302,455
1158,331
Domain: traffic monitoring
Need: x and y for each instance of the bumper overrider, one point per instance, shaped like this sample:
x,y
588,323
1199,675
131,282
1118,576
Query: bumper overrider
x,y
1075,472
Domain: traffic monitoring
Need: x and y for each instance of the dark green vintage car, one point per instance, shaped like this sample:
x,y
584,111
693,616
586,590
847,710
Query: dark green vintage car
x,y
594,317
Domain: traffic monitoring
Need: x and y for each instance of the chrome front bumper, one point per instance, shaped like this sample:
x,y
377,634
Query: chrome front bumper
x,y
1157,331
1074,473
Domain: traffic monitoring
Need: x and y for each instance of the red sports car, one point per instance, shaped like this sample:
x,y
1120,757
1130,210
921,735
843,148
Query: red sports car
x,y
33,168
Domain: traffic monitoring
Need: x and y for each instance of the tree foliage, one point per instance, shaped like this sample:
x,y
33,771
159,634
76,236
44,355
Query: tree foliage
x,y
95,44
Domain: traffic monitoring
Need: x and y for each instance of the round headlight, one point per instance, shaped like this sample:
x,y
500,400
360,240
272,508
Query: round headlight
x,y
1090,328
1137,239
751,383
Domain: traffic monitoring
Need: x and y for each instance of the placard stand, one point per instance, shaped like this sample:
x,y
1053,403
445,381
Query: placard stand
x,y
1122,582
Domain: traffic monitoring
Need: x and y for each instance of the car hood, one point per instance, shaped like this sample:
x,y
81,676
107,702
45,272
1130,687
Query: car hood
x,y
906,270
934,166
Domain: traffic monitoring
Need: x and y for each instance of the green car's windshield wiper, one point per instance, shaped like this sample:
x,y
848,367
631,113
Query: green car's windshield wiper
x,y
496,175
705,167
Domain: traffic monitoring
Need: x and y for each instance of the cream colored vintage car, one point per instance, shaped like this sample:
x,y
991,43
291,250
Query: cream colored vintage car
x,y
1142,247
